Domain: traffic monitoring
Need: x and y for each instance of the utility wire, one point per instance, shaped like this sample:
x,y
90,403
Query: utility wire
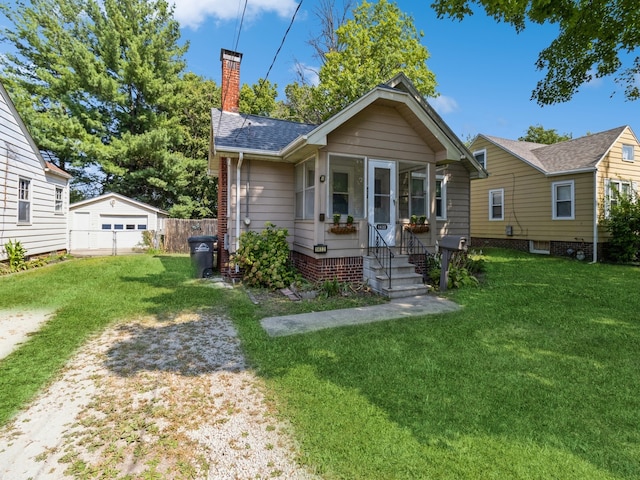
x,y
264,80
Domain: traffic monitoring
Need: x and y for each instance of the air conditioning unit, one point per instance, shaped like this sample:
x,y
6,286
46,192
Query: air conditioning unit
x,y
509,230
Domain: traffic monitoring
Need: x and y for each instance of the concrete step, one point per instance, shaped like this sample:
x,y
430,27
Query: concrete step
x,y
398,279
403,291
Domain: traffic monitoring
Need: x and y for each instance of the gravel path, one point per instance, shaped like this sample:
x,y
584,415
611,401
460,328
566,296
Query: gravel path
x,y
155,398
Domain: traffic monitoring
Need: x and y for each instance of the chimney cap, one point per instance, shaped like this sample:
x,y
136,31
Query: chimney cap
x,y
230,55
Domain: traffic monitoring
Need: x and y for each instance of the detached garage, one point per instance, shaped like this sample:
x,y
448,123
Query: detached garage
x,y
112,224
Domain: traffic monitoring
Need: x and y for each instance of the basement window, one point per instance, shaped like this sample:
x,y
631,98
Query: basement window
x,y
540,246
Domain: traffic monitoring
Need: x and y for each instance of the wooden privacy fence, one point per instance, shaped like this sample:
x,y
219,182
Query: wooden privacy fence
x,y
178,230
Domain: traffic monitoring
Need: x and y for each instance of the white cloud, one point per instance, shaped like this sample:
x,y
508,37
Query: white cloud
x,y
444,104
192,13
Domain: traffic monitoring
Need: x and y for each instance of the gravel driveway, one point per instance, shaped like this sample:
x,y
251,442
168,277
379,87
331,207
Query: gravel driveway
x,y
153,398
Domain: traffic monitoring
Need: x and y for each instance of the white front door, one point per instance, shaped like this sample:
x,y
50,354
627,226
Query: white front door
x,y
382,199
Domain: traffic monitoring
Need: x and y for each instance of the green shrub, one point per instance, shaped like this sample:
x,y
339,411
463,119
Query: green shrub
x,y
264,258
17,255
623,223
463,267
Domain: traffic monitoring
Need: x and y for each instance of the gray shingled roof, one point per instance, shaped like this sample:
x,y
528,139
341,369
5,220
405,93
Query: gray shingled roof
x,y
576,154
252,132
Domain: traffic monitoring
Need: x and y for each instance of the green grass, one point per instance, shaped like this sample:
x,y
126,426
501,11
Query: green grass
x,y
535,378
88,295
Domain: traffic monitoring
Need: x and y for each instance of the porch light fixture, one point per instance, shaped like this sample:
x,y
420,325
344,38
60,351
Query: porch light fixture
x,y
320,248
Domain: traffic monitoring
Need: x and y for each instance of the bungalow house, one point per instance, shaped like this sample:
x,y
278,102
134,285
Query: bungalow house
x,y
550,199
381,160
34,193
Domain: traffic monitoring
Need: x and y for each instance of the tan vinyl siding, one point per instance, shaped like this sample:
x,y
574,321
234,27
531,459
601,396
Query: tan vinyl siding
x,y
271,196
457,201
382,133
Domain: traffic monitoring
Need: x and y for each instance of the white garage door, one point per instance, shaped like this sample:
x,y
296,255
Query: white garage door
x,y
125,230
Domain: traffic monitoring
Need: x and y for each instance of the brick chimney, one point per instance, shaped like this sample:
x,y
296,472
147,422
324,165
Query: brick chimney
x,y
230,80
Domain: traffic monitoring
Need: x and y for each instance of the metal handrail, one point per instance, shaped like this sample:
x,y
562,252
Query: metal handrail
x,y
381,251
411,245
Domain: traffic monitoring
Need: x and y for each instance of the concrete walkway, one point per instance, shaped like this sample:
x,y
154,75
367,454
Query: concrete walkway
x,y
397,308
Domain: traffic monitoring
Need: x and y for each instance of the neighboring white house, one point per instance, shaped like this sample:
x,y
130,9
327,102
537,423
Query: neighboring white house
x,y
112,223
34,193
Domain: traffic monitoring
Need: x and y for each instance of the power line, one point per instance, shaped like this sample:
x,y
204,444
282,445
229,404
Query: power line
x,y
264,80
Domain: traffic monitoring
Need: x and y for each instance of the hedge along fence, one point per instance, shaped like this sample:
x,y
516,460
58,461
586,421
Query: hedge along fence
x,y
178,230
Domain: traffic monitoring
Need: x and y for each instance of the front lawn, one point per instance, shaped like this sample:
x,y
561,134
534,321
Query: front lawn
x,y
537,377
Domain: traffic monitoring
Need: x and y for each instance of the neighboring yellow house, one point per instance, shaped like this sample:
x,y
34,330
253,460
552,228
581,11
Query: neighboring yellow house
x,y
551,198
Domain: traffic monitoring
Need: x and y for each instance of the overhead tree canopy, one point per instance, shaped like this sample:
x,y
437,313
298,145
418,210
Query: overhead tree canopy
x,y
595,37
539,134
372,47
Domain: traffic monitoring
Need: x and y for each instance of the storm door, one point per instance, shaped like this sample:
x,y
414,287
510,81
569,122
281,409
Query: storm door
x,y
382,199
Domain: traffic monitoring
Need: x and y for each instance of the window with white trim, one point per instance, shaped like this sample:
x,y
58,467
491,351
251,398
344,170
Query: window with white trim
x,y
305,189
627,153
346,186
496,204
58,200
481,157
614,189
24,200
563,202
413,193
441,197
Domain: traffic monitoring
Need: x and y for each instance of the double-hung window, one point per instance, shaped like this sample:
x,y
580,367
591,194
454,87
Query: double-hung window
x,y
441,197
563,202
24,200
346,186
413,193
614,190
305,189
58,200
627,153
496,204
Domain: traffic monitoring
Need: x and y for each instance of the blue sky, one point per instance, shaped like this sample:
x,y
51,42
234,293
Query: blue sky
x,y
485,71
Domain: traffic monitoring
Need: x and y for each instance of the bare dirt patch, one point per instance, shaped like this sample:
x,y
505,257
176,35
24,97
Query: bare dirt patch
x,y
16,325
170,398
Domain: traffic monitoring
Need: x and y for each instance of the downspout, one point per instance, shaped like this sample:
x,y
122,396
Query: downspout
x,y
595,216
238,205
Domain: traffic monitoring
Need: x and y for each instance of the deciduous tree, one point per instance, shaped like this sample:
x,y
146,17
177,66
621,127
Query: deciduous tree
x,y
372,47
597,38
539,134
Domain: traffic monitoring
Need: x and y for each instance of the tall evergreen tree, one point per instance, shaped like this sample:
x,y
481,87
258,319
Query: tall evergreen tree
x,y
97,82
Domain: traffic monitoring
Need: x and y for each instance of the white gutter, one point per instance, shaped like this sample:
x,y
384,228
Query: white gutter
x,y
595,216
238,170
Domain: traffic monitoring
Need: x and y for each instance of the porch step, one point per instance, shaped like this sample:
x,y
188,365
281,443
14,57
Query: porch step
x,y
403,291
405,282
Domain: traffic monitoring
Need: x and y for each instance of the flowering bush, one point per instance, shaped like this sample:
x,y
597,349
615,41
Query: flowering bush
x,y
264,258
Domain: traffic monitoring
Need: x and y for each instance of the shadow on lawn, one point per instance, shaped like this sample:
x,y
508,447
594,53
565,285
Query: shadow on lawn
x,y
501,405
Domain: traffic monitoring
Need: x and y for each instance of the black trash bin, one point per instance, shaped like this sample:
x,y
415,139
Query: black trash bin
x,y
202,251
